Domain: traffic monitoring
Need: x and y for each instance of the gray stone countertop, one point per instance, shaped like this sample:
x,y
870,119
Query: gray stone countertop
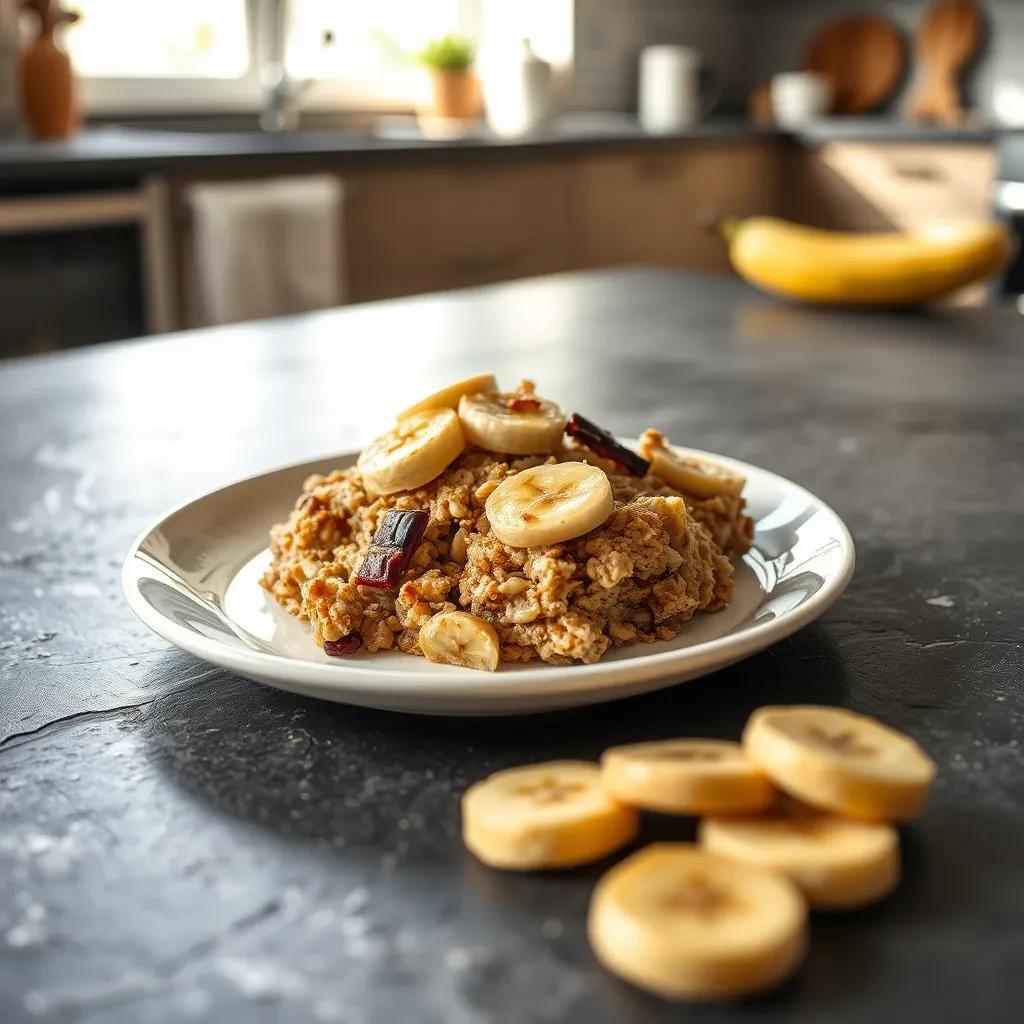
x,y
178,843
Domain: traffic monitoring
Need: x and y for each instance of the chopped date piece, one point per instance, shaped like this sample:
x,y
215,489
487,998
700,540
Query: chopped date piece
x,y
394,544
401,529
346,645
604,444
380,568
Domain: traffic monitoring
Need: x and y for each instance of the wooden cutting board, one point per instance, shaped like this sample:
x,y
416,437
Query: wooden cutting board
x,y
864,57
947,38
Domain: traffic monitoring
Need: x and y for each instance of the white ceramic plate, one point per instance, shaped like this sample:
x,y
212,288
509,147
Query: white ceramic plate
x,y
191,578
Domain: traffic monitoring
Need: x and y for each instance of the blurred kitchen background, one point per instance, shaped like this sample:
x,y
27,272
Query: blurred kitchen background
x,y
217,160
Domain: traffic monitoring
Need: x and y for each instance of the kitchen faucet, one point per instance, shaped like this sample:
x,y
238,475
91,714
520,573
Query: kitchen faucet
x,y
281,91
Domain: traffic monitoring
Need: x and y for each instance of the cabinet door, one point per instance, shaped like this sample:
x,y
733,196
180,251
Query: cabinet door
x,y
654,206
913,186
471,221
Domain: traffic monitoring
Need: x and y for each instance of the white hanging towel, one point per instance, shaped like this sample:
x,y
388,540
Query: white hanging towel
x,y
267,247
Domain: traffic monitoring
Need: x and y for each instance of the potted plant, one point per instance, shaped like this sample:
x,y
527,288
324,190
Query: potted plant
x,y
455,90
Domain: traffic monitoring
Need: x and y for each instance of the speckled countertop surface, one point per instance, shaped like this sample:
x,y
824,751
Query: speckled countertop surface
x,y
120,152
180,844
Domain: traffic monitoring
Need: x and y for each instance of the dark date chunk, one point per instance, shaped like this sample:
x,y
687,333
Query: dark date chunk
x,y
346,645
394,544
598,440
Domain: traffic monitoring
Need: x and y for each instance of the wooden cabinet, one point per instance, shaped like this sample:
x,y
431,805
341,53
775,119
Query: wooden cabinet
x,y
653,206
419,223
428,228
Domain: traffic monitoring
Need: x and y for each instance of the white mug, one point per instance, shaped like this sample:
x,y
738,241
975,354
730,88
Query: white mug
x,y
799,97
670,94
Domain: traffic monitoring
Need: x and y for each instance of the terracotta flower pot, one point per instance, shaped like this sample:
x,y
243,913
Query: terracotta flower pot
x,y
456,93
48,93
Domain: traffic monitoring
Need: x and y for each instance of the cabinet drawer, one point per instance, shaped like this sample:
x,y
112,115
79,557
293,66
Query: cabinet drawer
x,y
916,185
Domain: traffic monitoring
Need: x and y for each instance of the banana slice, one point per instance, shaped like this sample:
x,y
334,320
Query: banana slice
x,y
689,924
514,423
687,473
553,815
838,864
686,777
548,504
413,452
458,638
448,398
843,762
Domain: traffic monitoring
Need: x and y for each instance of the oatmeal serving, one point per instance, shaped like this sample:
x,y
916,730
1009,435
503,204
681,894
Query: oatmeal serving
x,y
485,527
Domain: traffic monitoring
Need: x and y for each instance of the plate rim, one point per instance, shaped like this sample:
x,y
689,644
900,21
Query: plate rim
x,y
378,681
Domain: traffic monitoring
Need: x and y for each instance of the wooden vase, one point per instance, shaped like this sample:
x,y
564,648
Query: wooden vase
x,y
456,93
48,93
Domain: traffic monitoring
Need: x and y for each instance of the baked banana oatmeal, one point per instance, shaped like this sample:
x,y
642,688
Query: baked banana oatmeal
x,y
485,527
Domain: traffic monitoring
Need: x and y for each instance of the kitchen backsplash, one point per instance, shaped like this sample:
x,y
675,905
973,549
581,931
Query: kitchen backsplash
x,y
610,34
747,41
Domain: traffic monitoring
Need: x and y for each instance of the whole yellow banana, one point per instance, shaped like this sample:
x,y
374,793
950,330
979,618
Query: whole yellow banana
x,y
839,268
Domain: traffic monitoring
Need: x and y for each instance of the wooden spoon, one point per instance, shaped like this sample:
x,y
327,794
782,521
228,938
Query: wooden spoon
x,y
947,38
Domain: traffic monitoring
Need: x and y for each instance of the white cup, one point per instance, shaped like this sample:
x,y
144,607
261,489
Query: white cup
x,y
670,96
799,97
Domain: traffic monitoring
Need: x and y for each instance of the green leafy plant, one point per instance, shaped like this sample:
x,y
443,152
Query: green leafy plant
x,y
449,53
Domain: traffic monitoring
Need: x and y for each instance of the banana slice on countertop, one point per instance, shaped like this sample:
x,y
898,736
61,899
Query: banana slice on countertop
x,y
688,924
838,760
514,424
687,473
549,504
838,864
553,815
417,449
448,398
686,776
458,638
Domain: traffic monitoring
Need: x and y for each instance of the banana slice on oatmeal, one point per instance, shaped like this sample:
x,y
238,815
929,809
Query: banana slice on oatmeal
x,y
417,449
687,473
448,398
549,504
459,638
514,423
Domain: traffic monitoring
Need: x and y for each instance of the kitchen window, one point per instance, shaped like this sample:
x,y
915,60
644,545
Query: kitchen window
x,y
363,54
134,55
139,55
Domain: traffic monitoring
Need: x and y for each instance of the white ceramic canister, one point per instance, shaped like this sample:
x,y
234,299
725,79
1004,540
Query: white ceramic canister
x,y
670,88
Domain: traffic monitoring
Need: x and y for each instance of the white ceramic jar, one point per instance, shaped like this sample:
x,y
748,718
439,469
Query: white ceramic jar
x,y
670,96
